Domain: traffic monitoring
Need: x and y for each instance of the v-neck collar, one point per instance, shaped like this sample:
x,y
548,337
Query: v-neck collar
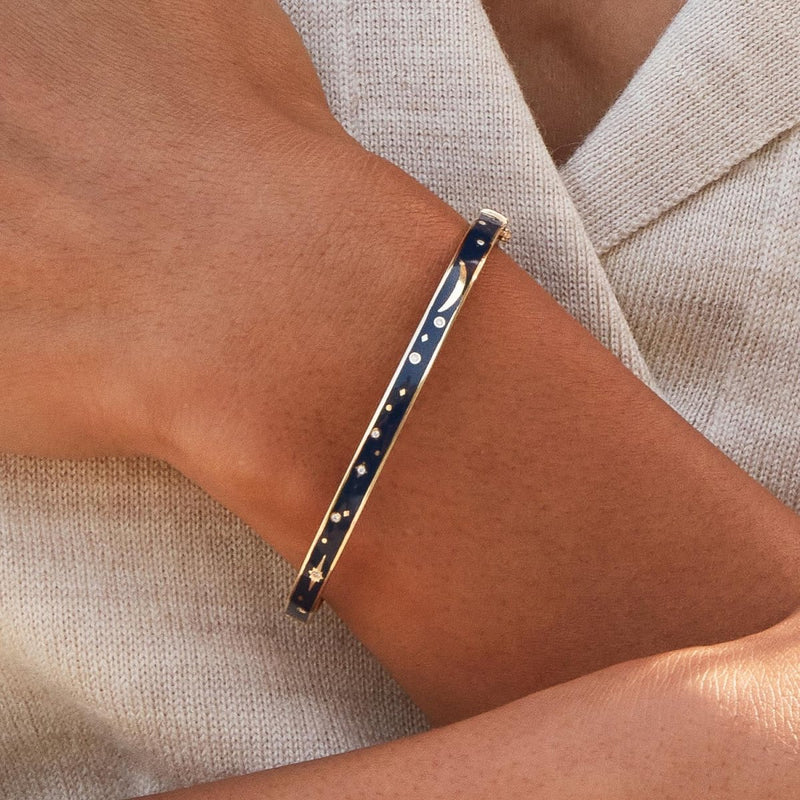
x,y
723,80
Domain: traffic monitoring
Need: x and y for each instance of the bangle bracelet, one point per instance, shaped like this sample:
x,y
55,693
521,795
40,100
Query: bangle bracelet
x,y
388,419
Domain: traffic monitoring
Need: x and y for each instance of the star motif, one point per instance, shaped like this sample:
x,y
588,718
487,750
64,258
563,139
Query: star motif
x,y
315,574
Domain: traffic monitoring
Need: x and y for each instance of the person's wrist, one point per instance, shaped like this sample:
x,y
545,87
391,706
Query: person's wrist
x,y
264,433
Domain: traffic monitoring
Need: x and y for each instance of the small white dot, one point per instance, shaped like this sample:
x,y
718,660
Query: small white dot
x,y
481,242
324,540
440,322
424,337
377,452
336,517
388,406
481,222
361,469
375,433
415,358
402,393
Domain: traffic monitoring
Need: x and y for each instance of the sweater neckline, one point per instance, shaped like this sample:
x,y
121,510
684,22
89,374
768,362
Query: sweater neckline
x,y
721,82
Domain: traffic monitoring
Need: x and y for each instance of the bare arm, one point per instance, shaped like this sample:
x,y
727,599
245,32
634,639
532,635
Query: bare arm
x,y
719,723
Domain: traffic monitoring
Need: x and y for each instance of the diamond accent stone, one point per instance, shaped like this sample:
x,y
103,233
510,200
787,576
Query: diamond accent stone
x,y
336,517
361,469
315,575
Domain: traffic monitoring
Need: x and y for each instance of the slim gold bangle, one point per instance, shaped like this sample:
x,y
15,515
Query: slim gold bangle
x,y
388,419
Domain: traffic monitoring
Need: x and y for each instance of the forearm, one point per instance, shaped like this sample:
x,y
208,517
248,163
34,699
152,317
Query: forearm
x,y
542,515
717,722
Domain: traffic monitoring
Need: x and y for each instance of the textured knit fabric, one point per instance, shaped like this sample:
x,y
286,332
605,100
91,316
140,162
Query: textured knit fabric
x,y
142,644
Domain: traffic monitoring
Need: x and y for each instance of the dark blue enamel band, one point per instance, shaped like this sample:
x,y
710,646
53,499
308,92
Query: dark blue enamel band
x,y
341,517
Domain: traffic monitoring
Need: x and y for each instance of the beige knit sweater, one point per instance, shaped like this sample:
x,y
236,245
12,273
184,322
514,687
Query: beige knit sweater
x,y
142,643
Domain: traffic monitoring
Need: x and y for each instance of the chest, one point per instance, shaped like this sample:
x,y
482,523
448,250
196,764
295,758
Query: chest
x,y
573,59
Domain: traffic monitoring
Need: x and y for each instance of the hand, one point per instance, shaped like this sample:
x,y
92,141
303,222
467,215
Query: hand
x,y
174,189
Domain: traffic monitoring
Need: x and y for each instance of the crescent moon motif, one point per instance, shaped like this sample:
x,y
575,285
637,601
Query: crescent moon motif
x,y
458,289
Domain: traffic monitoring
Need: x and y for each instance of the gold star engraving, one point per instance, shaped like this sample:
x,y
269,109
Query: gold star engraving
x,y
315,574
